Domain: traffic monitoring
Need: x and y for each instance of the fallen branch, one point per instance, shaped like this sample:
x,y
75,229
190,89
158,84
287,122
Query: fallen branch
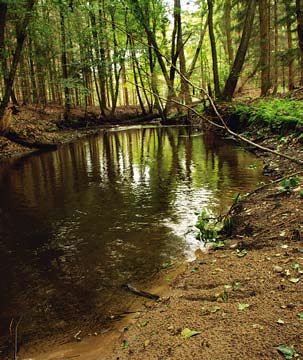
x,y
135,291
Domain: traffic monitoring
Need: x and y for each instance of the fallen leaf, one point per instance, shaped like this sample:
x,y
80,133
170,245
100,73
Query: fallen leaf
x,y
258,326
287,351
241,253
143,323
125,344
280,321
243,306
296,266
146,343
282,233
294,280
215,309
187,333
228,286
277,268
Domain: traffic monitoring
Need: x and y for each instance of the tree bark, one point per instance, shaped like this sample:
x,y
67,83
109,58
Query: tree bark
x,y
21,35
3,12
276,44
227,23
234,74
213,47
299,12
291,83
264,47
67,99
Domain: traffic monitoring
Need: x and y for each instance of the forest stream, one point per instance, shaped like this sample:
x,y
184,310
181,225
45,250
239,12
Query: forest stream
x,y
78,222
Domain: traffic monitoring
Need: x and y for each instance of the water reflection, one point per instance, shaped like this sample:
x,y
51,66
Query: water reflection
x,y
78,222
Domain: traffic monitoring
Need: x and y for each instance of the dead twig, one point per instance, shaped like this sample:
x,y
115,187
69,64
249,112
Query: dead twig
x,y
16,338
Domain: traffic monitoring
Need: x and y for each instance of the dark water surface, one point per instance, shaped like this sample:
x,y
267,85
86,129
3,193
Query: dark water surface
x,y
77,223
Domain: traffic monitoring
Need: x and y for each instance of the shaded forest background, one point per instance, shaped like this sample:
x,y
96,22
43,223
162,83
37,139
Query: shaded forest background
x,y
153,54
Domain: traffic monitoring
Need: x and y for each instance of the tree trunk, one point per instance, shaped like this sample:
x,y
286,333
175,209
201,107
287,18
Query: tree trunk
x,y
100,64
21,35
198,49
291,82
276,44
299,12
185,93
264,47
234,74
227,23
3,12
67,99
213,47
102,52
134,63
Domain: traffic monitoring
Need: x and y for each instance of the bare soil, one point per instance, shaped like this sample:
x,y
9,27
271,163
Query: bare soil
x,y
243,300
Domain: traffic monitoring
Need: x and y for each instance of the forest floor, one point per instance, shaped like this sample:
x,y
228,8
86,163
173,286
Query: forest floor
x,y
244,301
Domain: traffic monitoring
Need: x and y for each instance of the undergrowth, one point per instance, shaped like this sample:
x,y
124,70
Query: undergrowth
x,y
210,228
278,114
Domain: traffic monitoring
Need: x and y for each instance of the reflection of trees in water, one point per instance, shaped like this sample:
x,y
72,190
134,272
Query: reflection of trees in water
x,y
89,214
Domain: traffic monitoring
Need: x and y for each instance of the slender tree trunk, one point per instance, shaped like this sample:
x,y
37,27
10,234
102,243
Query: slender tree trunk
x,y
291,82
227,23
21,35
102,52
213,47
198,49
299,12
264,46
135,75
67,99
32,72
276,44
3,12
185,93
124,85
100,63
234,74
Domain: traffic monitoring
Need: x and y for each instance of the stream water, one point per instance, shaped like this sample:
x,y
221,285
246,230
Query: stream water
x,y
78,222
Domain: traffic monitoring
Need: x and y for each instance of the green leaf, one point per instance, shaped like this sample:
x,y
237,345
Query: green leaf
x,y
187,333
143,323
243,306
296,266
241,253
228,286
237,284
125,344
215,309
287,351
300,315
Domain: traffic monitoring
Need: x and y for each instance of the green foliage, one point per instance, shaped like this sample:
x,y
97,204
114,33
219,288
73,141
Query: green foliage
x,y
187,333
287,351
276,113
210,228
290,183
